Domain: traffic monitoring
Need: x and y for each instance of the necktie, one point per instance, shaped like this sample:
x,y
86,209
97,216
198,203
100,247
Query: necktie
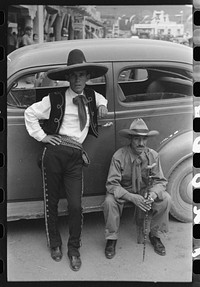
x,y
136,187
81,101
136,175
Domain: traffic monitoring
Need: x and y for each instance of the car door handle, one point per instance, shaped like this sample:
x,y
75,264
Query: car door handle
x,y
106,125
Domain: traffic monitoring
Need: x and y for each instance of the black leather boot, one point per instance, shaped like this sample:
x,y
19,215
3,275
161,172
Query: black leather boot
x,y
110,248
159,248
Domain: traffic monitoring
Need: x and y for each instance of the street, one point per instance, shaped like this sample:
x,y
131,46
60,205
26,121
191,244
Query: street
x,y
28,258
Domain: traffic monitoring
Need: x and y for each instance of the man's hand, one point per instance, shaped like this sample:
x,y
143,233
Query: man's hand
x,y
102,111
140,201
151,197
52,139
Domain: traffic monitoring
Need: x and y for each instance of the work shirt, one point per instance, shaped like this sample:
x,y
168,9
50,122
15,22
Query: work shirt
x,y
70,125
119,181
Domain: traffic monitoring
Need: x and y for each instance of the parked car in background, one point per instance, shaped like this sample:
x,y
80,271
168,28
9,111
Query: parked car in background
x,y
146,78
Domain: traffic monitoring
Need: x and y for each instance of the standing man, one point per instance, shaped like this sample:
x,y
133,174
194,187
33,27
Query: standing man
x,y
127,182
27,38
69,116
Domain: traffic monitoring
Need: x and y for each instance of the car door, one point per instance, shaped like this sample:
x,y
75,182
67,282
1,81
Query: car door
x,y
23,176
101,149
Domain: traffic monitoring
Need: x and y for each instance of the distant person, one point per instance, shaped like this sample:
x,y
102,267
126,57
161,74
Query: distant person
x,y
45,37
51,37
35,38
190,41
11,41
26,38
15,37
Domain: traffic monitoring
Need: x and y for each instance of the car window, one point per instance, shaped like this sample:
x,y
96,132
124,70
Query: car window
x,y
153,83
133,75
31,88
24,90
22,94
97,80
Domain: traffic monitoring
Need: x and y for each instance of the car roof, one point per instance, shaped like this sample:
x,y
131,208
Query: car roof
x,y
98,50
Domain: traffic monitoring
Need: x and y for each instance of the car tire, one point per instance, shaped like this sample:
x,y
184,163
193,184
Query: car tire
x,y
180,188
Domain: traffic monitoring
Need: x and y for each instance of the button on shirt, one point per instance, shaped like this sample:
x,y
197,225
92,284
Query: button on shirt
x,y
119,181
70,125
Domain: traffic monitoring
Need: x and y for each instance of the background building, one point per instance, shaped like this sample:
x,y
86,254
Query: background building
x,y
159,25
54,23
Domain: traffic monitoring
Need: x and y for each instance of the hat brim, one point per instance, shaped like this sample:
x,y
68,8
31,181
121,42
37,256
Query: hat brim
x,y
127,133
62,74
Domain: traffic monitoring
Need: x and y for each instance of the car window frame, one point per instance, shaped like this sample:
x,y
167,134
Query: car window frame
x,y
31,70
118,67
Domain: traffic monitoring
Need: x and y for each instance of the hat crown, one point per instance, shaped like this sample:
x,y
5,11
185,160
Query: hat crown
x,y
138,128
139,124
76,56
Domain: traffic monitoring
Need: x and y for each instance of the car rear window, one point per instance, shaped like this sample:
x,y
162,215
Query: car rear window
x,y
153,83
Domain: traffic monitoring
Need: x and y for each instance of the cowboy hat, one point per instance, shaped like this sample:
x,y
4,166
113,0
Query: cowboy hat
x,y
77,62
138,128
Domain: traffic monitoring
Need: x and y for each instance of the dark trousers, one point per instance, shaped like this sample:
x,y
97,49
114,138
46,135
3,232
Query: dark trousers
x,y
63,166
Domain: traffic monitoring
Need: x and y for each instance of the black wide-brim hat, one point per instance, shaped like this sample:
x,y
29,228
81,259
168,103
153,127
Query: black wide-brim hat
x,y
138,128
77,62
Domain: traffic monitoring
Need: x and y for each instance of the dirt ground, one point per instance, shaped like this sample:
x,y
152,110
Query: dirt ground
x,y
28,258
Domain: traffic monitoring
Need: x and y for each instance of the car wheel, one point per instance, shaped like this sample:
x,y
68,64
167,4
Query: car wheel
x,y
180,189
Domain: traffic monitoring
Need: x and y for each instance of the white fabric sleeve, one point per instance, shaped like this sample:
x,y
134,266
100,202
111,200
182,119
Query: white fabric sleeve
x,y
100,100
34,113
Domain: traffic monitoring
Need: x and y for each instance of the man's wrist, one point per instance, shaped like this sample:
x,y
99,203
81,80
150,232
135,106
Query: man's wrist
x,y
153,195
127,196
101,106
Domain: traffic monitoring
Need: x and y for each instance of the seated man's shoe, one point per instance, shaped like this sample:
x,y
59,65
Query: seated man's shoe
x,y
157,244
75,262
110,248
56,253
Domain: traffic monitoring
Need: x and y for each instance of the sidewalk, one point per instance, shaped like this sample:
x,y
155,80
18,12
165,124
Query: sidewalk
x,y
29,258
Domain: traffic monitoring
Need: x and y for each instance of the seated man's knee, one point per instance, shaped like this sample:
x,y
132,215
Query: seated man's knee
x,y
167,197
166,202
109,201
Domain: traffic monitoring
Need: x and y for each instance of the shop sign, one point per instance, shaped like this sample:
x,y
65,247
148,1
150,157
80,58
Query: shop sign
x,y
78,23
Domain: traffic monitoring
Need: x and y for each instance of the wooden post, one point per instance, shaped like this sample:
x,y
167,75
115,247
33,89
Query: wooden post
x,y
58,25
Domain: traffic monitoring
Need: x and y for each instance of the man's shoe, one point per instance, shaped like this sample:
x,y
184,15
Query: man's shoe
x,y
110,248
75,262
157,244
56,253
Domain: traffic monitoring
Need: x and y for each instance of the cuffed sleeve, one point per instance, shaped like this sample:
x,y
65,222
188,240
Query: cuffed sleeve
x,y
100,100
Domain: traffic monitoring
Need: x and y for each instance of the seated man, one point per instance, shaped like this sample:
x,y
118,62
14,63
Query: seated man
x,y
127,182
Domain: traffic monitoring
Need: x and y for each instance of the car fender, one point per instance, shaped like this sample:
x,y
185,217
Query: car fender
x,y
175,150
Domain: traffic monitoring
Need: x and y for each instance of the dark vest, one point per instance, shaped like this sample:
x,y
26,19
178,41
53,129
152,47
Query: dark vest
x,y
57,99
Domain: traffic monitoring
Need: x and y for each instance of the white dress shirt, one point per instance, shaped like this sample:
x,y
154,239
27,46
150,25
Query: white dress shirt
x,y
70,125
